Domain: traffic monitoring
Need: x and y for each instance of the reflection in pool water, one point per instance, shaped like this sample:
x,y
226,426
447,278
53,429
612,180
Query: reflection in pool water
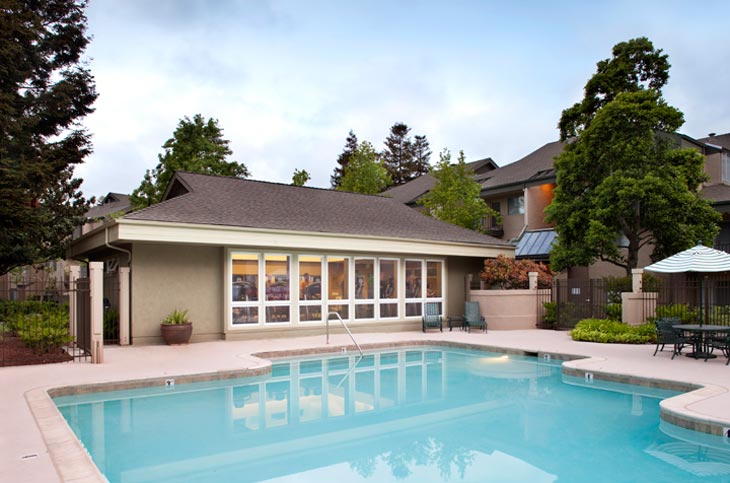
x,y
407,415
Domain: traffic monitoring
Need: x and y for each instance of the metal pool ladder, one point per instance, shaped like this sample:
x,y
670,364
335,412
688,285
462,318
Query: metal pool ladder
x,y
327,326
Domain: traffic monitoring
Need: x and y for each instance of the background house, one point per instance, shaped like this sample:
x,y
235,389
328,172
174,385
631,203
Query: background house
x,y
520,192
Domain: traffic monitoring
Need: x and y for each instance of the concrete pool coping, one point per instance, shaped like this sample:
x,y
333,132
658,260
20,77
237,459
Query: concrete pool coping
x,y
36,444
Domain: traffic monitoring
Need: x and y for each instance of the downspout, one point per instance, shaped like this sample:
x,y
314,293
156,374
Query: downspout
x,y
106,242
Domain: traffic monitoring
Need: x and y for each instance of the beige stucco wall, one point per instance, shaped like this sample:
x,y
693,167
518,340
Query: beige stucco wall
x,y
166,277
713,167
507,309
537,198
169,276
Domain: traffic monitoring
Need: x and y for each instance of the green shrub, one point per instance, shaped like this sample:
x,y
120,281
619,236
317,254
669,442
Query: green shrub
x,y
11,311
614,311
550,319
43,332
686,314
111,324
611,331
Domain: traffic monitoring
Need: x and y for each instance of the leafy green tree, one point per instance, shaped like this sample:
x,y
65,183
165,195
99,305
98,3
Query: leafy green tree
x,y
405,159
343,159
456,196
364,173
635,65
300,177
45,91
196,146
623,184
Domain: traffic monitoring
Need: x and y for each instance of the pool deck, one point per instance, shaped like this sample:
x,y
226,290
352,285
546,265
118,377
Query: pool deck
x,y
37,446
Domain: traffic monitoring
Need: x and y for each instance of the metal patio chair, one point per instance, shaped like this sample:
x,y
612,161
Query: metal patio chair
x,y
431,316
473,316
666,334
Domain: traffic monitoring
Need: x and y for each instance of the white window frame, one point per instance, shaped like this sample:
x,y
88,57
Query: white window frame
x,y
372,301
274,303
244,304
322,288
397,282
350,292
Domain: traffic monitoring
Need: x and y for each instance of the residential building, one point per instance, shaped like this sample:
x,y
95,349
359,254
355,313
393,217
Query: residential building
x,y
252,259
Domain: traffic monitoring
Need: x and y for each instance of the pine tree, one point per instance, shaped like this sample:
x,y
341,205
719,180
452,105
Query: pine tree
x,y
421,157
344,159
45,91
398,153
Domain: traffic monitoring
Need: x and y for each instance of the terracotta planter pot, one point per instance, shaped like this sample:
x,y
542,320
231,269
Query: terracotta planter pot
x,y
176,333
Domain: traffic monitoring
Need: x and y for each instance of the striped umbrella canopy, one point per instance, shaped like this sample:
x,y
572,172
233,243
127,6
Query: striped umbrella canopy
x,y
696,259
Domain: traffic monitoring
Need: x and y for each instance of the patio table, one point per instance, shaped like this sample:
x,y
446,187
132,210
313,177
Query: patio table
x,y
701,347
457,321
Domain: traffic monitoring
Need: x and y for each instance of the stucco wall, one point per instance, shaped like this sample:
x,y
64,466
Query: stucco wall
x,y
165,277
537,199
507,309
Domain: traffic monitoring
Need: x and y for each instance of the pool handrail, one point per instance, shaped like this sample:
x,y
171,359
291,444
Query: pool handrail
x,y
327,329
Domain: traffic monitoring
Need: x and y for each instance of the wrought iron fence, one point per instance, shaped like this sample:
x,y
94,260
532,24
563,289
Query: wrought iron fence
x,y
37,325
111,308
694,298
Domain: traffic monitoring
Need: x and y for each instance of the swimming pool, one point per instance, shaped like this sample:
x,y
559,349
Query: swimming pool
x,y
426,414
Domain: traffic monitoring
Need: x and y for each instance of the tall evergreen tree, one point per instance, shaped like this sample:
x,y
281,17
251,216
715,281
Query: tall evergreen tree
x,y
196,146
421,156
397,155
45,91
405,159
343,159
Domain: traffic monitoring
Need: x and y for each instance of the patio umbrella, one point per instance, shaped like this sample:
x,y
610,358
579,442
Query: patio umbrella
x,y
699,259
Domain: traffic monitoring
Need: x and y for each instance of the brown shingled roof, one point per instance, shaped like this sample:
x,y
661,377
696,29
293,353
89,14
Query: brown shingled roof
x,y
538,165
213,200
718,140
716,193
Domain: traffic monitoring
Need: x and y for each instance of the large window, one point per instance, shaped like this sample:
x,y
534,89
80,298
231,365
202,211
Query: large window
x,y
278,292
338,285
364,288
245,288
388,289
310,288
279,288
416,292
251,277
414,277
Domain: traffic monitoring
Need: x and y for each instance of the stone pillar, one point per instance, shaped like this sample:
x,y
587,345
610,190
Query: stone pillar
x,y
636,280
124,306
73,275
467,289
96,289
533,280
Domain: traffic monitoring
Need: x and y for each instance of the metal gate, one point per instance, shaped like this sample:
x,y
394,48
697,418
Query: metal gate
x,y
44,321
575,300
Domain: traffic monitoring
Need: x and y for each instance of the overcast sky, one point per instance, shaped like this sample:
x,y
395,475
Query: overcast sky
x,y
287,80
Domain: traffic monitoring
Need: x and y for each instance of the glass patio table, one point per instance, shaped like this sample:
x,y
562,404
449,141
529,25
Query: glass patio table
x,y
701,345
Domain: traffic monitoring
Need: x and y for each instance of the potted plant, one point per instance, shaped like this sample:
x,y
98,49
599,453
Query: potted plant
x,y
176,328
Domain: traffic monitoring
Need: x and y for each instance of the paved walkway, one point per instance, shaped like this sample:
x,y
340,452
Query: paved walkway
x,y
30,437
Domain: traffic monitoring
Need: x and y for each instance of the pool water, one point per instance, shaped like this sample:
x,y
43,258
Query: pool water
x,y
420,415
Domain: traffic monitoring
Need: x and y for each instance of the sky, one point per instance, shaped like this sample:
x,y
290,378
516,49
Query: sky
x,y
288,80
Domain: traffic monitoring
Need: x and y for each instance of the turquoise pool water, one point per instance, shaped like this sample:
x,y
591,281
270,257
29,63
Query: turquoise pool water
x,y
420,415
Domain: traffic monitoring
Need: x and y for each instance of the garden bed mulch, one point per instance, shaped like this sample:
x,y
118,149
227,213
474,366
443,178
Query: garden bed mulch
x,y
14,353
